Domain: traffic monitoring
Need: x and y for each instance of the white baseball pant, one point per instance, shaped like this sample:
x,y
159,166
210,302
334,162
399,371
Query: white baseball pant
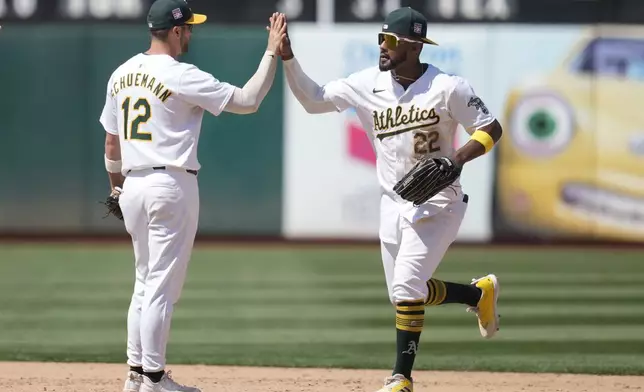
x,y
161,211
411,260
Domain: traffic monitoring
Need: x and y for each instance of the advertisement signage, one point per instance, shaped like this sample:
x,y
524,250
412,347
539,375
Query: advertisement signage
x,y
570,164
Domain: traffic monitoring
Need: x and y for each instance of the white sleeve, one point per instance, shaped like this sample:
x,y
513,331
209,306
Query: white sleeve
x,y
247,100
204,90
332,97
467,108
341,93
108,116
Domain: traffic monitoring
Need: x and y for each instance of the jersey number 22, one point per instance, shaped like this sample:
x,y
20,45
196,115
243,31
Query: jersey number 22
x,y
132,127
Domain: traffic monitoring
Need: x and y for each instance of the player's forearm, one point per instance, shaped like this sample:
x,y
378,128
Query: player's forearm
x,y
113,160
471,150
475,148
306,91
116,180
248,99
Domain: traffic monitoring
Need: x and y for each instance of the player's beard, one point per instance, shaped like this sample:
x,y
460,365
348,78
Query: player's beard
x,y
387,63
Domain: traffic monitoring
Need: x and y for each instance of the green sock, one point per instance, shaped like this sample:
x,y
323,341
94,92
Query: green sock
x,y
410,318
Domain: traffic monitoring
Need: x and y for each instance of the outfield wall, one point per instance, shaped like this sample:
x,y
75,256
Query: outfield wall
x,y
53,82
569,165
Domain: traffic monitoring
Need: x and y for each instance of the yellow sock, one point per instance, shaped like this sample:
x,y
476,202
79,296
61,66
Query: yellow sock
x,y
437,292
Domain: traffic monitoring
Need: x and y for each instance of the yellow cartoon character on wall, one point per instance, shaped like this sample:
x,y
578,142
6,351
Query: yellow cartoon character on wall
x,y
571,163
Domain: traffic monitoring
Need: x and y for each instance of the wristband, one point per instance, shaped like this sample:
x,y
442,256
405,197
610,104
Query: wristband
x,y
485,139
112,166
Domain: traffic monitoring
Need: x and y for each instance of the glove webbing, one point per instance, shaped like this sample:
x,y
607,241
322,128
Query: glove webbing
x,y
426,181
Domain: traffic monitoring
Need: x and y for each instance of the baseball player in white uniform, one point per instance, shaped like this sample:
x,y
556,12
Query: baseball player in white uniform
x,y
153,114
410,110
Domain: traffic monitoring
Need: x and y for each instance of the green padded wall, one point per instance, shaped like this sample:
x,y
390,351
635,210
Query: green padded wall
x,y
53,82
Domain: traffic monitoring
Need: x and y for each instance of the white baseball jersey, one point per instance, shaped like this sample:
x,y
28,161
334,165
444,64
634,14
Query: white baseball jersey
x,y
405,125
156,105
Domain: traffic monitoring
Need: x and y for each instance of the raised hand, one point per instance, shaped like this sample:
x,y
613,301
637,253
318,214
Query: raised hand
x,y
276,32
285,48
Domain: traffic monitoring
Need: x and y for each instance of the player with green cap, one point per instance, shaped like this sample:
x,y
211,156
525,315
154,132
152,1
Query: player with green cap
x,y
411,111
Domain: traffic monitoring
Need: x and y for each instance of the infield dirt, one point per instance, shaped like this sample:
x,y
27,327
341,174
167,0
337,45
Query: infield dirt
x,y
69,377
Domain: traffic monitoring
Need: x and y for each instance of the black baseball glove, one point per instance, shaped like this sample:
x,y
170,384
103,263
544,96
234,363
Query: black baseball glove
x,y
112,204
428,177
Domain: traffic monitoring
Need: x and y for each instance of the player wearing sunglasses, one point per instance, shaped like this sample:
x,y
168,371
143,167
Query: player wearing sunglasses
x,y
411,111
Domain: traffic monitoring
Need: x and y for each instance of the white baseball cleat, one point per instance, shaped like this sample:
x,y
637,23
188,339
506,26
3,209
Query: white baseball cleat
x,y
166,384
133,382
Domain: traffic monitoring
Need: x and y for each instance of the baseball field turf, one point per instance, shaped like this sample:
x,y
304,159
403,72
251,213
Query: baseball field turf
x,y
578,311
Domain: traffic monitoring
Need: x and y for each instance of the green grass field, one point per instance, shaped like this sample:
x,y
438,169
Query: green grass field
x,y
576,311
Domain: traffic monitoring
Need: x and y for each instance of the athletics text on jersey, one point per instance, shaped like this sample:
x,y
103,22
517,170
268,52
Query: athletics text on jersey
x,y
405,125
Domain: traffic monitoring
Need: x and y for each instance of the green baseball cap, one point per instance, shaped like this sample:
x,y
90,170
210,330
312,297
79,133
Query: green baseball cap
x,y
165,14
408,22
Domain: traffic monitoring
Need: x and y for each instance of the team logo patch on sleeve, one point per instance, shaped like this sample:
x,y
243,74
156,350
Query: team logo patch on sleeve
x,y
478,104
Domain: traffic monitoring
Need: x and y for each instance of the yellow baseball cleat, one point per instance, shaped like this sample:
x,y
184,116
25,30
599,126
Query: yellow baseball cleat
x,y
486,309
397,383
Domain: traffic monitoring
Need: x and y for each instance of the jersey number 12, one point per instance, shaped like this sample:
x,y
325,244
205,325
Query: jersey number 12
x,y
131,127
